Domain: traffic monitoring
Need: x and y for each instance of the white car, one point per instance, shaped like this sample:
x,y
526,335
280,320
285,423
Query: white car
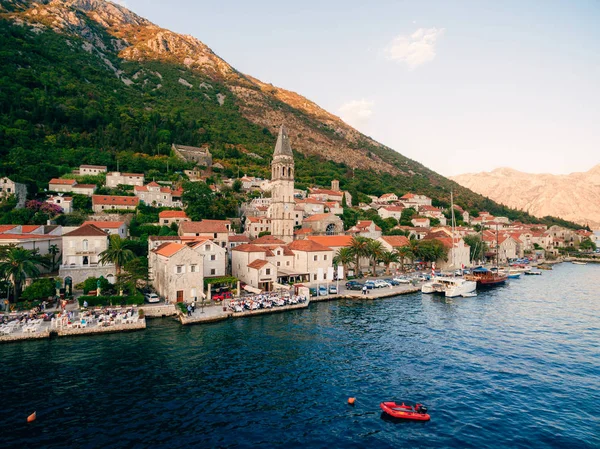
x,y
381,284
152,297
402,280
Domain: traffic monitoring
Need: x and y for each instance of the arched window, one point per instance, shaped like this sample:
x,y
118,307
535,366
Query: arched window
x,y
330,229
85,245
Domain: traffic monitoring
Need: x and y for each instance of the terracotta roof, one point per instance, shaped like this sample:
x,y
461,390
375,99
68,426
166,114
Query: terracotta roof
x,y
168,249
408,196
26,229
63,182
420,220
303,231
331,240
153,184
318,217
131,175
396,241
268,240
393,208
387,195
239,238
307,245
204,226
88,230
115,200
309,200
105,224
317,191
172,214
161,238
85,186
4,228
364,224
93,166
56,197
429,208
257,264
250,248
9,236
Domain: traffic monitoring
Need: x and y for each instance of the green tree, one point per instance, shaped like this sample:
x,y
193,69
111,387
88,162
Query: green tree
x,y
53,251
432,250
477,247
344,257
198,199
117,253
375,251
405,252
39,289
358,247
237,186
406,216
587,244
388,258
18,264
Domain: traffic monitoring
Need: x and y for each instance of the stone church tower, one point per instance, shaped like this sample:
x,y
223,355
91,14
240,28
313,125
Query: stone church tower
x,y
281,210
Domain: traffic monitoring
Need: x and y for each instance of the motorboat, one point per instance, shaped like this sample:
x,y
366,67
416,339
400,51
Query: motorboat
x,y
577,262
488,278
469,295
449,286
533,273
402,410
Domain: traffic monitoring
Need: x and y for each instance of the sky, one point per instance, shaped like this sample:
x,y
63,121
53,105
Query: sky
x,y
461,86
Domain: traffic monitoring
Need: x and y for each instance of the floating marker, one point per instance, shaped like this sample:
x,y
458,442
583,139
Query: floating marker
x,y
31,418
351,401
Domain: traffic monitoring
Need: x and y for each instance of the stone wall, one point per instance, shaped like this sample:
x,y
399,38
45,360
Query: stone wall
x,y
159,311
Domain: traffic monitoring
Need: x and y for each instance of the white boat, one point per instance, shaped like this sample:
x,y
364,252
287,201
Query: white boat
x,y
577,262
450,287
469,295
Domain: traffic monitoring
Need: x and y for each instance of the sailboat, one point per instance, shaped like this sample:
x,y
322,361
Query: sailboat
x,y
485,277
453,286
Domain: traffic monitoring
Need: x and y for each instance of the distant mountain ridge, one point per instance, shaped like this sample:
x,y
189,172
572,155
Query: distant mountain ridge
x,y
574,197
88,81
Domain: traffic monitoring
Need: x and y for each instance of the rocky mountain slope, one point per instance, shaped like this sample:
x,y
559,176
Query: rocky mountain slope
x,y
574,197
88,81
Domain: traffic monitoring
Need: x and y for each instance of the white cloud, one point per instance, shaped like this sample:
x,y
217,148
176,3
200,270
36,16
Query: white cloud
x,y
356,112
416,49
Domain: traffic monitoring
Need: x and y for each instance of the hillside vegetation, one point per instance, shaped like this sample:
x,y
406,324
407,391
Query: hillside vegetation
x,y
86,81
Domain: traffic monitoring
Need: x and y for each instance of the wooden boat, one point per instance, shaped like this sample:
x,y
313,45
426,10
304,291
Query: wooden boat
x,y
485,277
577,262
533,273
545,267
402,410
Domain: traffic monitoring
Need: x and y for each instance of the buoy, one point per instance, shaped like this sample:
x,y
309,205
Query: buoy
x,y
351,401
31,418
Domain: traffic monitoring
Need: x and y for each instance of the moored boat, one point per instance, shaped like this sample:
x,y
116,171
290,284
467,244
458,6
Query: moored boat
x,y
577,262
449,286
533,273
484,277
402,410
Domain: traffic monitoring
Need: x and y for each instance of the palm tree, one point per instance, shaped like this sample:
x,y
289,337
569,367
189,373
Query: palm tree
x,y
358,247
18,264
118,252
405,252
388,258
375,250
344,257
53,250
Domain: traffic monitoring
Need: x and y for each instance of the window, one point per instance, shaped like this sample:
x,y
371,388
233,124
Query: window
x,y
213,257
325,257
315,258
206,247
278,264
85,245
268,271
314,277
179,269
192,268
287,264
213,271
278,253
215,235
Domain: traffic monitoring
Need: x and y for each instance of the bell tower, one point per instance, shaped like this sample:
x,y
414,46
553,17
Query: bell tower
x,y
282,206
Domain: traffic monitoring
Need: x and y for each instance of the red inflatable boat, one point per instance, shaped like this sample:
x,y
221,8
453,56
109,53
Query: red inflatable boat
x,y
417,412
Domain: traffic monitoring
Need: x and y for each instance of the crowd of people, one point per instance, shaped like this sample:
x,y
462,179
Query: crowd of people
x,y
265,301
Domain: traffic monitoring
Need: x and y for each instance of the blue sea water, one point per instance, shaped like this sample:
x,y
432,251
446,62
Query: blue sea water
x,y
517,366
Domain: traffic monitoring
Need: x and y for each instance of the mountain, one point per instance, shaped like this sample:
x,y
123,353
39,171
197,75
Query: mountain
x,y
88,81
574,197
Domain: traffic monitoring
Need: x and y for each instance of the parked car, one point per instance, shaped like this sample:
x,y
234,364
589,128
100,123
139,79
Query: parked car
x,y
151,297
313,291
402,280
354,286
223,295
333,290
322,290
392,281
370,285
379,283
349,284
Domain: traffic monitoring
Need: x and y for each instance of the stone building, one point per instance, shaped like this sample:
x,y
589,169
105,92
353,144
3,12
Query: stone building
x,y
8,187
168,217
119,228
281,210
92,169
64,202
199,155
177,271
101,203
159,196
324,224
115,178
81,255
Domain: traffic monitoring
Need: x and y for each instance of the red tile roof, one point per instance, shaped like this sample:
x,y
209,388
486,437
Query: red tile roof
x,y
307,245
396,241
239,238
249,248
115,200
267,240
331,241
88,230
168,249
105,224
204,226
26,229
172,214
318,217
93,166
4,228
63,182
257,264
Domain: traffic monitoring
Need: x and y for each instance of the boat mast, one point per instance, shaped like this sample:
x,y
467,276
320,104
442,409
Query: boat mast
x,y
453,225
497,247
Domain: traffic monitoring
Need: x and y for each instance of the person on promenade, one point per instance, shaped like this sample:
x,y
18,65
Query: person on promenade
x,y
193,306
189,310
364,292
